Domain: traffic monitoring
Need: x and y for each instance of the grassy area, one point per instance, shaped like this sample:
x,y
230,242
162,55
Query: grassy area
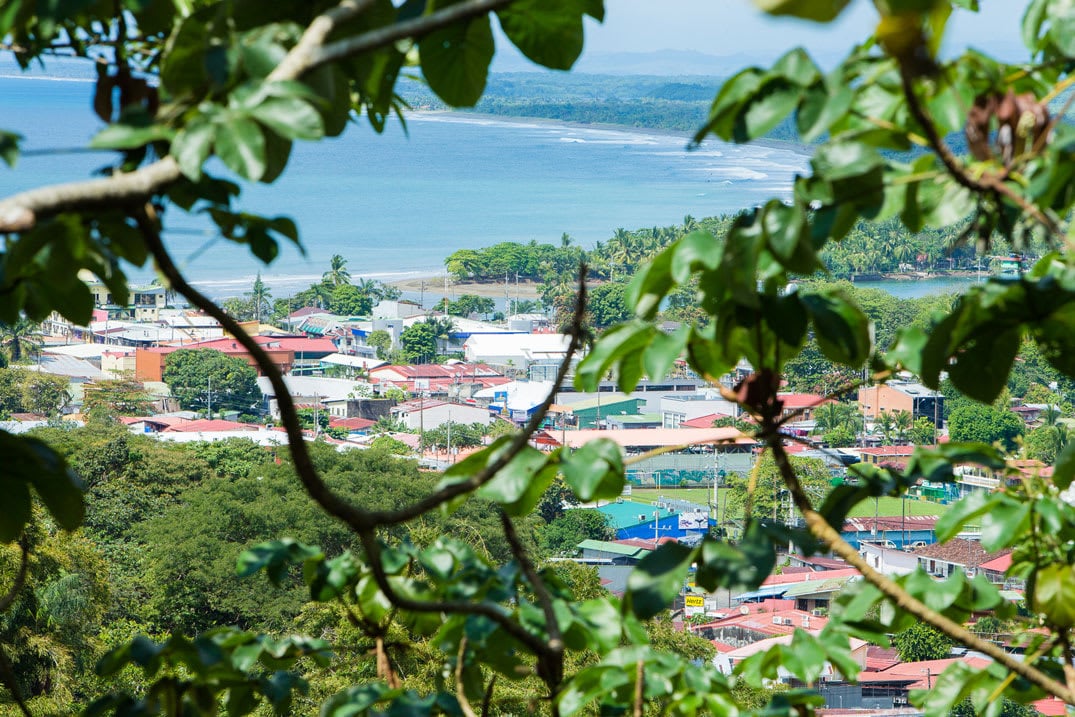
x,y
885,506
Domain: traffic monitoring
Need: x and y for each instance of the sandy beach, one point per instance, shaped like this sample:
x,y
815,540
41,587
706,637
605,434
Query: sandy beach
x,y
435,286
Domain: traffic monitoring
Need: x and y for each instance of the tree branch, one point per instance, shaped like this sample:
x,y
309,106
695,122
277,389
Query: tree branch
x,y
519,441
553,672
989,183
492,611
419,26
821,529
353,516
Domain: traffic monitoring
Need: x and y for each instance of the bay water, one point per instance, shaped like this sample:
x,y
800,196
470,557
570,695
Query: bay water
x,y
396,205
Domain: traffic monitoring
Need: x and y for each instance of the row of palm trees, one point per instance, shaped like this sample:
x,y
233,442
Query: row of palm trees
x,y
836,415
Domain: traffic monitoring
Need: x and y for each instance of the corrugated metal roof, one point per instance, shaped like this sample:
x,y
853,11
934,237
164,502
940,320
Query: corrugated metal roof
x,y
615,548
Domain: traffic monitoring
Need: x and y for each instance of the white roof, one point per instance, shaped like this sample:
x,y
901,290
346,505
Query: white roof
x,y
67,366
518,344
353,361
329,389
86,351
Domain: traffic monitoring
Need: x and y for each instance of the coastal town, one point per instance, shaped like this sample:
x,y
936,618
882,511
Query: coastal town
x,y
686,440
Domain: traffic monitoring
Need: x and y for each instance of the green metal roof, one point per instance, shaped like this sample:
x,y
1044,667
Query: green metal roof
x,y
625,514
615,548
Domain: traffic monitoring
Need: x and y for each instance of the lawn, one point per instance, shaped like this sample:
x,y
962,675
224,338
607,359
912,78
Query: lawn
x,y
885,506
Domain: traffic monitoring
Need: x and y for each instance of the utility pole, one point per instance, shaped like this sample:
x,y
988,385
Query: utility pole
x,y
449,435
209,397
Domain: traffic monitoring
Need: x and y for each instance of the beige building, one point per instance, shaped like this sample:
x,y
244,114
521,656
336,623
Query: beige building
x,y
909,396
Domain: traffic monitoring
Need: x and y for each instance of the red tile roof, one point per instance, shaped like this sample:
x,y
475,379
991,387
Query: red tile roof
x,y
207,424
705,421
920,675
780,622
793,401
968,553
785,579
998,565
351,424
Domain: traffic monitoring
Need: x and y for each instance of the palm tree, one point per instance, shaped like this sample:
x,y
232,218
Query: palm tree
x,y
337,273
260,297
885,424
19,337
902,420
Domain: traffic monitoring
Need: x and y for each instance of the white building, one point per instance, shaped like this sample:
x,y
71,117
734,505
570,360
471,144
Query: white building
x,y
431,413
516,351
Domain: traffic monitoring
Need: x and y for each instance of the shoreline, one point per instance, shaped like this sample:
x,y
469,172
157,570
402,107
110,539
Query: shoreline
x,y
439,285
782,144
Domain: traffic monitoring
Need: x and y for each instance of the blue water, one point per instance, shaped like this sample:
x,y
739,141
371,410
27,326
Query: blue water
x,y
396,205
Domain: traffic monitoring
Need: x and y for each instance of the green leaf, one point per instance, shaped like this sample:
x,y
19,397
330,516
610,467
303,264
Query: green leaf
x,y
455,60
126,136
1054,594
191,147
775,100
241,145
549,32
595,471
982,365
519,485
275,558
657,579
952,521
1064,469
841,329
9,147
56,484
816,10
16,512
290,117
627,339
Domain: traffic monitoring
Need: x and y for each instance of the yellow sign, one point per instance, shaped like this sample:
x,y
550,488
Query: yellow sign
x,y
694,601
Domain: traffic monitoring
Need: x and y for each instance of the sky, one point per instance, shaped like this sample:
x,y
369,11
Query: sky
x,y
737,27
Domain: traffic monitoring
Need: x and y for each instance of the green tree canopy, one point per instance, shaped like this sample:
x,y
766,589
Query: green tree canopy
x,y
986,424
201,379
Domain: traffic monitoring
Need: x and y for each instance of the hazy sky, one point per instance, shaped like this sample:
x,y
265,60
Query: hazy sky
x,y
728,27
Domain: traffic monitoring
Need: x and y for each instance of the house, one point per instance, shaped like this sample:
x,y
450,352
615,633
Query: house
x,y
516,352
909,396
679,410
426,413
891,531
457,379
887,560
958,554
889,688
751,623
803,405
149,360
634,423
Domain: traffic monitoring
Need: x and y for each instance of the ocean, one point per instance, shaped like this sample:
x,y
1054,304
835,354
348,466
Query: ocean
x,y
396,205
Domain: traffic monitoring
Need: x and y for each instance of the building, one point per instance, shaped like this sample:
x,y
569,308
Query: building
x,y
909,396
426,413
708,451
516,352
891,531
593,413
956,555
644,520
